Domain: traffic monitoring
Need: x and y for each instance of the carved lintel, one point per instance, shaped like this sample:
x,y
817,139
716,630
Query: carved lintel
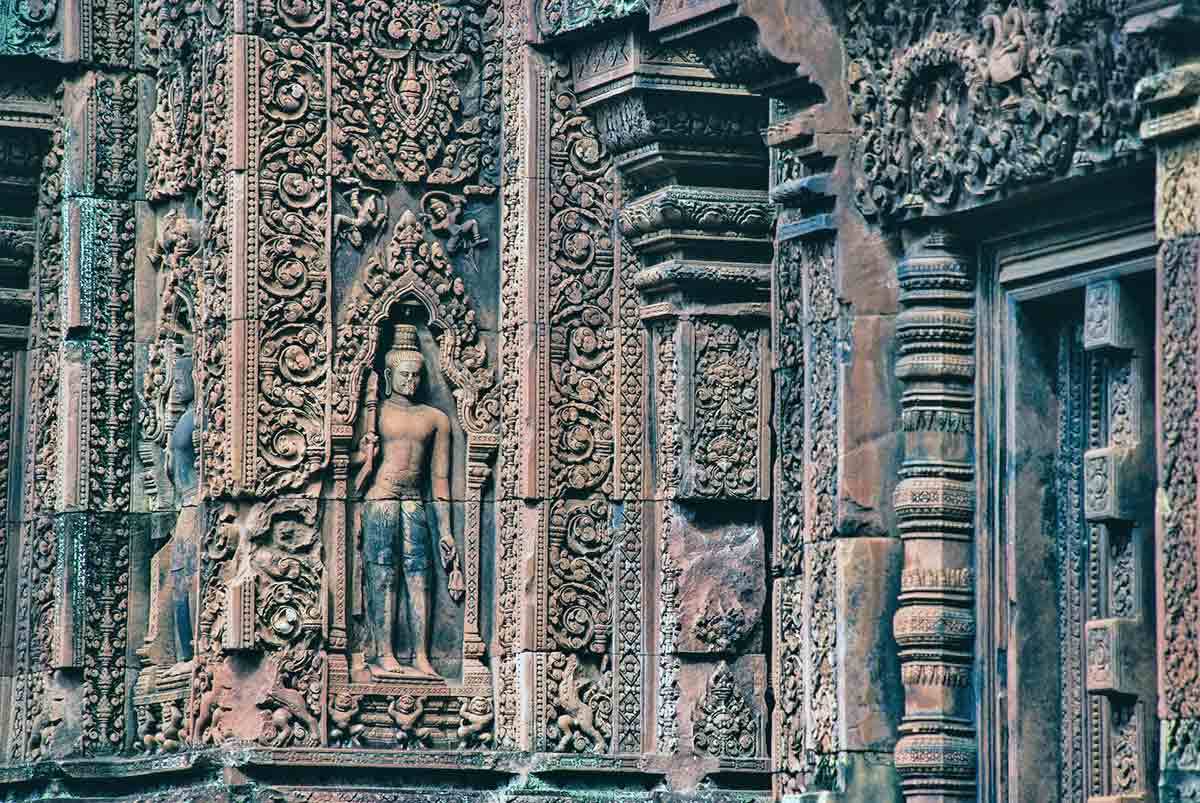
x,y
932,97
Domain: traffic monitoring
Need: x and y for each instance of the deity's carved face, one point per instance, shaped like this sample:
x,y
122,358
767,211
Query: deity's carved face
x,y
182,385
405,376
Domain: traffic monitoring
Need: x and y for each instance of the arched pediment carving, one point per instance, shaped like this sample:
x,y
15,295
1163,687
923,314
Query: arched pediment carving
x,y
413,267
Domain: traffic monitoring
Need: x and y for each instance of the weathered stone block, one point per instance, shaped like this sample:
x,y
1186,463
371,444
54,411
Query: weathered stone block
x,y
722,584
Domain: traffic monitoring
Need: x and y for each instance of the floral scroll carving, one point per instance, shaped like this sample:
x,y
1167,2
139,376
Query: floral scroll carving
x,y
290,301
580,281
727,405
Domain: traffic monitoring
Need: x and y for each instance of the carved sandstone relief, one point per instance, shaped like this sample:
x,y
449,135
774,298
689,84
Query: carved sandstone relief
x,y
957,104
935,508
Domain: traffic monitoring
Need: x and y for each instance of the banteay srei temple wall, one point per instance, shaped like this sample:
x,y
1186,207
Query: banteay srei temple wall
x,y
532,401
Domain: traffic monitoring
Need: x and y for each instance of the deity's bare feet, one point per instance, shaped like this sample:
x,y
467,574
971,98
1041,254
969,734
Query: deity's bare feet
x,y
178,669
422,665
385,663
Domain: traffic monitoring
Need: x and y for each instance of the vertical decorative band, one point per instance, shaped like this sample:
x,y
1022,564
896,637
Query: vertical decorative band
x,y
935,512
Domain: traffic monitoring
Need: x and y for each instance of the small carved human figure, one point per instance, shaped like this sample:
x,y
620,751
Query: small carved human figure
x,y
444,213
147,731
370,211
343,712
406,711
408,445
207,728
1009,52
45,725
170,736
475,730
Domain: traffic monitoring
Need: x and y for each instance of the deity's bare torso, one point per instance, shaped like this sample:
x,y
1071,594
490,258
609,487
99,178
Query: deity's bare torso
x,y
412,438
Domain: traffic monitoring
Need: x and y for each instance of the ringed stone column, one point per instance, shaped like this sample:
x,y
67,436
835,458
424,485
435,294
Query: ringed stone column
x,y
935,507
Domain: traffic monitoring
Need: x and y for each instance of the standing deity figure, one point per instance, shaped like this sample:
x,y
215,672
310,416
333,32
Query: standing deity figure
x,y
181,465
168,641
405,453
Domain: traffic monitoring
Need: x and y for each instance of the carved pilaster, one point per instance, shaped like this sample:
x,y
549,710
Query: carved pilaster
x,y
279,316
694,222
935,511
706,320
1172,125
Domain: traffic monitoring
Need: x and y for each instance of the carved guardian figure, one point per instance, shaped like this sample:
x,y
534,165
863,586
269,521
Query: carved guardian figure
x,y
405,453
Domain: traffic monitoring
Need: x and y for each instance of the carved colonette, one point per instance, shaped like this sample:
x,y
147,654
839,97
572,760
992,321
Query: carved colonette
x,y
934,500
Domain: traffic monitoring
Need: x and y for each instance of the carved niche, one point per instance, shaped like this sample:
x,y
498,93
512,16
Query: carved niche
x,y
955,103
412,273
167,450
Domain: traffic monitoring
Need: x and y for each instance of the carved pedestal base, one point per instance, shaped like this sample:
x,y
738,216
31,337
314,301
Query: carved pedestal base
x,y
160,702
439,714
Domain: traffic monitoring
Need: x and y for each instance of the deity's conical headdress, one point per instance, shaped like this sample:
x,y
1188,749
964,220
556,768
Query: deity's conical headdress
x,y
405,346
